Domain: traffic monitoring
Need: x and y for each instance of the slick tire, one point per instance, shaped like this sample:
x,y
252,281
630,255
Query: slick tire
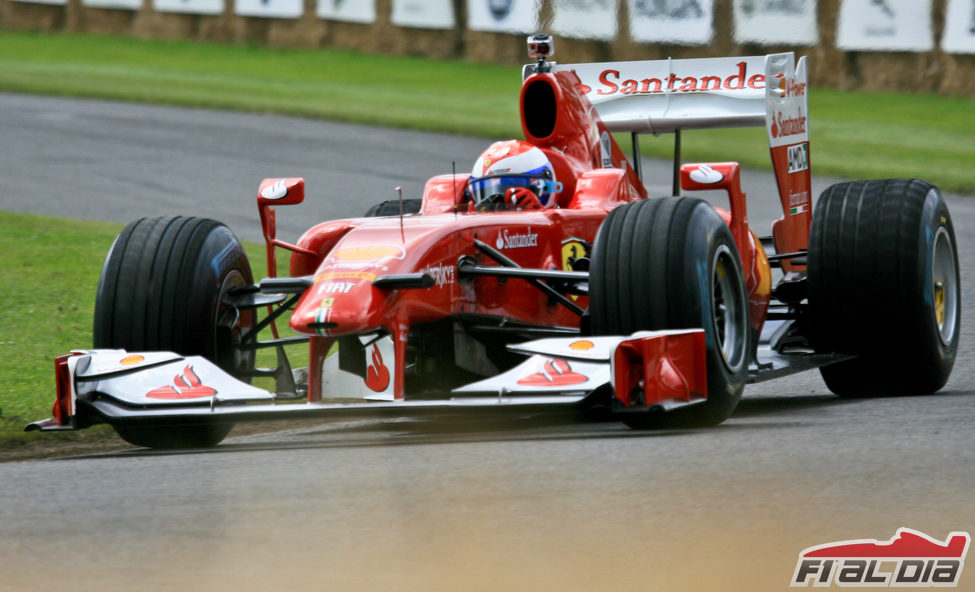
x,y
671,263
884,286
392,208
163,287
174,437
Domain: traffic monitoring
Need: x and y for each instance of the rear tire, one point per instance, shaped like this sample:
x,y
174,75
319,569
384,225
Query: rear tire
x,y
163,288
671,263
884,285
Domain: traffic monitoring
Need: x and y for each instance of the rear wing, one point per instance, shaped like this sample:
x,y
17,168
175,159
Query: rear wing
x,y
668,96
663,96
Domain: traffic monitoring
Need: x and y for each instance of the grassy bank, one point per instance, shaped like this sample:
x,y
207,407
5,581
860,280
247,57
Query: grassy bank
x,y
50,269
854,134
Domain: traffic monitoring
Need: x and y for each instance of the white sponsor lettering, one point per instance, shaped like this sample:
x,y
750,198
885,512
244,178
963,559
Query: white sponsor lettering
x,y
335,287
800,198
513,240
443,274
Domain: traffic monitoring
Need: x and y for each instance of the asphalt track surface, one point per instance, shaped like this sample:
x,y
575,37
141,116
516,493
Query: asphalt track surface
x,y
513,504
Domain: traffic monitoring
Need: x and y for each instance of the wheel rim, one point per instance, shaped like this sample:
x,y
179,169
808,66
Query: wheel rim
x,y
230,323
944,286
728,308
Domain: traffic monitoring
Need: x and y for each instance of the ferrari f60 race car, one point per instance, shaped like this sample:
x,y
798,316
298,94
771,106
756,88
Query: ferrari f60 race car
x,y
658,310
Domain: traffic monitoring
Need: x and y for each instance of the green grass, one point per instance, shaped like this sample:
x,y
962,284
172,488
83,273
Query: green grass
x,y
854,134
50,269
398,91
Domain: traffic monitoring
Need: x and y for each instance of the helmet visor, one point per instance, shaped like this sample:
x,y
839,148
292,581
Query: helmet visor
x,y
492,189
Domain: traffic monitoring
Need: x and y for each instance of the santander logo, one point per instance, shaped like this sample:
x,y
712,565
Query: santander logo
x,y
377,373
706,175
515,240
786,125
610,83
555,372
277,191
185,386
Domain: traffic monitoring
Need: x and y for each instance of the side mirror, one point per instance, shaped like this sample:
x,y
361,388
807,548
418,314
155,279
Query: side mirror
x,y
276,192
281,192
727,176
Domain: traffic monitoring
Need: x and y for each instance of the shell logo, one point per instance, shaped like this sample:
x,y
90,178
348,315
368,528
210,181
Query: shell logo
x,y
132,360
345,275
368,253
583,345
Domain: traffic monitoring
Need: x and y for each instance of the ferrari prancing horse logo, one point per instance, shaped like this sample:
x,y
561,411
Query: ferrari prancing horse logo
x,y
572,250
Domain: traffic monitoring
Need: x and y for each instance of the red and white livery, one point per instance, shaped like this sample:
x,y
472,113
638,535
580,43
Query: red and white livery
x,y
546,279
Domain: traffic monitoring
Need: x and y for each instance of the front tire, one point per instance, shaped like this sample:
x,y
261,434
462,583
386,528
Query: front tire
x,y
174,437
884,286
164,287
671,263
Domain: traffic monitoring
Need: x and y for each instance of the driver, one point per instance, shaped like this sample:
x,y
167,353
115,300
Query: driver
x,y
512,175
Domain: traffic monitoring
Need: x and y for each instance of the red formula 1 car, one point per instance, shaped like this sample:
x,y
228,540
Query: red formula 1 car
x,y
659,310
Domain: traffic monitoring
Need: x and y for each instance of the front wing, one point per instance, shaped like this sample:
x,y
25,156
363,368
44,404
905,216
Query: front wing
x,y
653,369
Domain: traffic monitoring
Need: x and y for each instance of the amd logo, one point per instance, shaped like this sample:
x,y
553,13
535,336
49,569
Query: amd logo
x,y
798,157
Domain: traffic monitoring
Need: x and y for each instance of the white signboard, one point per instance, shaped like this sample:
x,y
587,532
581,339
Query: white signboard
x,y
503,16
120,4
423,14
352,11
885,25
684,22
776,22
959,34
586,19
269,8
189,6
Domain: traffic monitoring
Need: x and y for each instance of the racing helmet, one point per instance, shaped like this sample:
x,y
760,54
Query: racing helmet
x,y
505,170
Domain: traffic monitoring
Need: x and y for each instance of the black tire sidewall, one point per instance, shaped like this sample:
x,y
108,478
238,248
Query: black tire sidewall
x,y
934,357
707,233
872,291
648,275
